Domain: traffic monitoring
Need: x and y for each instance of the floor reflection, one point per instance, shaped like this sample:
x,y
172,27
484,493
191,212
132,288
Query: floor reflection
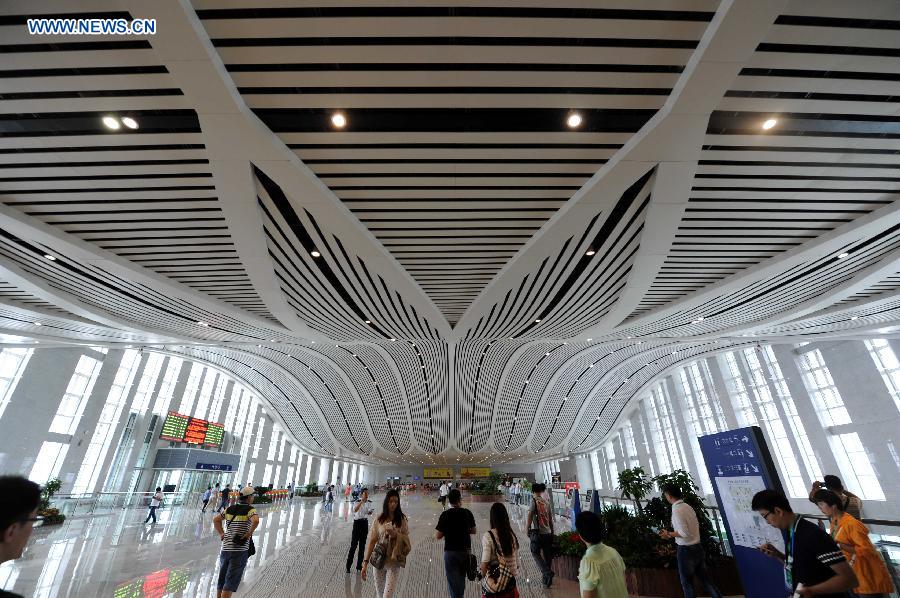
x,y
298,546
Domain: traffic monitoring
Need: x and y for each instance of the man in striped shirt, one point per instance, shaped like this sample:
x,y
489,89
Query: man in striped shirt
x,y
241,520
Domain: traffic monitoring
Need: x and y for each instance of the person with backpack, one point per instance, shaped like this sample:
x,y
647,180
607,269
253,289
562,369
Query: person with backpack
x,y
237,544
155,503
539,523
499,556
206,496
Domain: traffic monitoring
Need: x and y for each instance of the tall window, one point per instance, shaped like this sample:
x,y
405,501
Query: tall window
x,y
205,393
595,468
611,465
694,395
167,388
75,399
12,364
886,362
784,452
852,459
737,390
109,417
629,449
190,390
148,383
218,396
49,460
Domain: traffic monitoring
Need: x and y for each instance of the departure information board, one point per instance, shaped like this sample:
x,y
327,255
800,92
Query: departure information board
x,y
196,431
174,427
214,434
183,428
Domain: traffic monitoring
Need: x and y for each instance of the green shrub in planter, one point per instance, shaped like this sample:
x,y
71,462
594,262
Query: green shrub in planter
x,y
51,515
570,544
487,487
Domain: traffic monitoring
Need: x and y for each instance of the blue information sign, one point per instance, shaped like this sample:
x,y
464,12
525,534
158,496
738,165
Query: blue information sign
x,y
739,466
214,466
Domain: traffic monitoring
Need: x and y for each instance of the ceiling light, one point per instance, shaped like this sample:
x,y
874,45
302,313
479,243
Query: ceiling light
x,y
537,321
202,323
769,124
853,318
368,321
129,122
339,120
574,120
315,253
111,123
589,340
843,255
590,252
49,257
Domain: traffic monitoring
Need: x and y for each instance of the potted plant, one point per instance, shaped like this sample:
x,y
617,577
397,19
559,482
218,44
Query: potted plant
x,y
311,490
51,515
569,550
485,490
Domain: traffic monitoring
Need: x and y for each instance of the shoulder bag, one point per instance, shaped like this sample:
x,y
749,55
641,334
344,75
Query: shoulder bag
x,y
499,579
379,552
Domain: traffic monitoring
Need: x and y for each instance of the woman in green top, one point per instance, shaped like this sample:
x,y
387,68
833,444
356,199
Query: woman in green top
x,y
602,570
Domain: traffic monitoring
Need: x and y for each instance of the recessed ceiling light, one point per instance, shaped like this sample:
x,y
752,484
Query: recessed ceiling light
x,y
368,321
49,257
39,324
590,252
203,323
111,123
537,321
769,124
339,120
843,255
129,122
853,318
573,120
315,253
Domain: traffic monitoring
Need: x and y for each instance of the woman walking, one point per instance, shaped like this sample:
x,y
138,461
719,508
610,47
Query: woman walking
x,y
391,529
853,538
499,556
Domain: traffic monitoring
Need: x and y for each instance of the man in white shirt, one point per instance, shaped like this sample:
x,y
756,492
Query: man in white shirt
x,y
361,514
690,556
155,503
444,491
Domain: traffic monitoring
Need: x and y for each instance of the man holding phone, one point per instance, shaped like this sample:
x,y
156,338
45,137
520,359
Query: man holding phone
x,y
361,512
813,563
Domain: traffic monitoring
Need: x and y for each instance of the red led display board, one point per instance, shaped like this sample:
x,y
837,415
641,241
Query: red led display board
x,y
196,431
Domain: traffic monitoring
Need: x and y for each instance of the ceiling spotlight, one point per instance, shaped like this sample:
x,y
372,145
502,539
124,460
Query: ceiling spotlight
x,y
537,321
853,318
202,323
39,324
843,255
368,321
339,120
769,124
111,123
315,253
573,120
129,122
590,252
49,257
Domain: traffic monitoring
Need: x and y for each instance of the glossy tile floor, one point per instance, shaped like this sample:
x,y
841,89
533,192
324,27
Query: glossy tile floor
x,y
300,550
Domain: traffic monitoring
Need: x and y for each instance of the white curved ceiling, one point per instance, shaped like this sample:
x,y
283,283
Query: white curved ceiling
x,y
490,285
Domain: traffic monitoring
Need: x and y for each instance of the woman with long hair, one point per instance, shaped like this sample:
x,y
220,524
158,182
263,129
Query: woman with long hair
x,y
852,537
392,529
499,555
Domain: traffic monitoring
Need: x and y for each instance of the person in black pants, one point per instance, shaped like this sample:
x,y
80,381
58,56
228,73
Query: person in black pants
x,y
361,514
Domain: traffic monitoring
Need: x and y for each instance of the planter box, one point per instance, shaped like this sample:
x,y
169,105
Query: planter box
x,y
566,566
486,498
664,583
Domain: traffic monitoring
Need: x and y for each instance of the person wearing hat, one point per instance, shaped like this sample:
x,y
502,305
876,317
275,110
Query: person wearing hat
x,y
241,521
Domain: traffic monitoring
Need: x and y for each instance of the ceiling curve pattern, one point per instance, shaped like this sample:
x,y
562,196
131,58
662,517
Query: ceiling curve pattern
x,y
455,274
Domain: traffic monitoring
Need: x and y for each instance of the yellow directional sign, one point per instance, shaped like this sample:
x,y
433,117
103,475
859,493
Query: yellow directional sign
x,y
438,473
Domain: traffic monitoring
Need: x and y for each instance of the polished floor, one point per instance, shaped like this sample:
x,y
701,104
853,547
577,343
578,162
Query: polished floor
x,y
300,550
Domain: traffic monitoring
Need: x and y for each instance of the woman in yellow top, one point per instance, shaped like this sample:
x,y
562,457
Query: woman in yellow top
x,y
602,570
853,538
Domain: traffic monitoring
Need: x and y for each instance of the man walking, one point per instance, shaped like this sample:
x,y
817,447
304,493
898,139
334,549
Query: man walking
x,y
155,503
540,532
689,552
206,496
20,503
444,491
455,526
517,492
813,560
241,520
361,514
224,498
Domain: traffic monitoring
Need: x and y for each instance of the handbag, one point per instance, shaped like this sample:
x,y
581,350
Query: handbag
x,y
379,554
499,579
472,568
251,550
